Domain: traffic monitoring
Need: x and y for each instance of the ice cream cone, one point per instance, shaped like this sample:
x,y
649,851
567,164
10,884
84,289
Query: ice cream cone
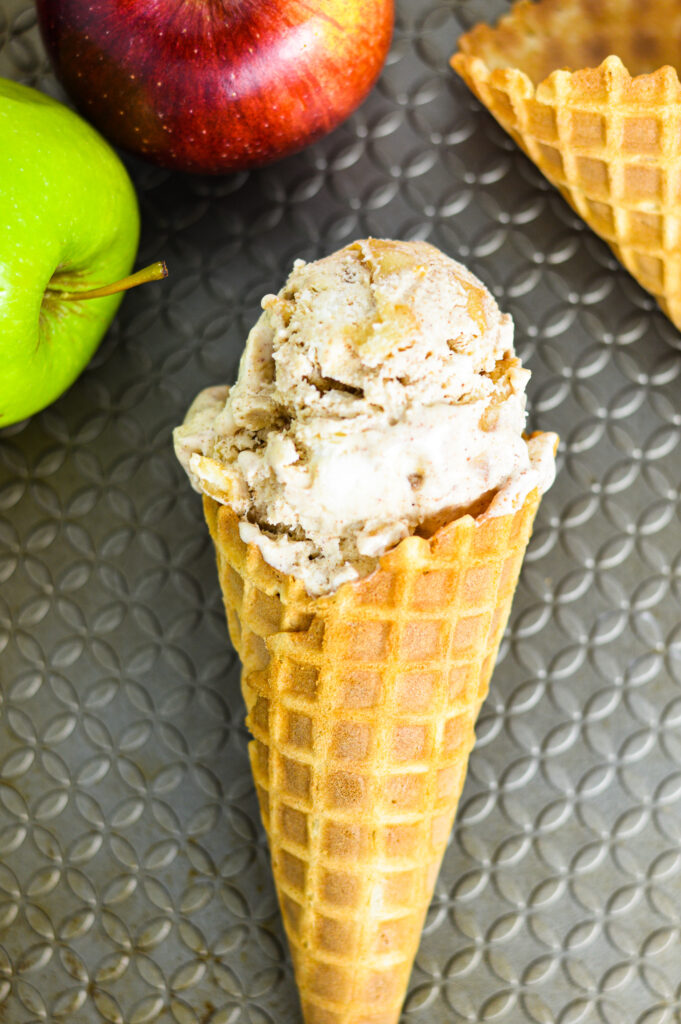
x,y
587,90
362,706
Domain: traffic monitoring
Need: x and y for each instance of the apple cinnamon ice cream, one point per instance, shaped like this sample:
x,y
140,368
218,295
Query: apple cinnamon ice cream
x,y
378,395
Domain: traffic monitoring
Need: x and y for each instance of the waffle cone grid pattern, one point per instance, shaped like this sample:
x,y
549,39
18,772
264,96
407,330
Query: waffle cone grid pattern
x,y
362,706
610,142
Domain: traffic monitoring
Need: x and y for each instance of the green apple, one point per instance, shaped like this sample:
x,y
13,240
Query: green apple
x,y
69,222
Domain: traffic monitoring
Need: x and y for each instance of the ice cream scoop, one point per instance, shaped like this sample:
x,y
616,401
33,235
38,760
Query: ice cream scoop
x,y
378,395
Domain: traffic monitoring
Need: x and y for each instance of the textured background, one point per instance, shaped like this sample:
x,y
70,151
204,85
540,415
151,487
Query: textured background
x,y
134,884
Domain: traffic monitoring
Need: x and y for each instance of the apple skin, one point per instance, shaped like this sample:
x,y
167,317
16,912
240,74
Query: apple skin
x,y
68,218
216,85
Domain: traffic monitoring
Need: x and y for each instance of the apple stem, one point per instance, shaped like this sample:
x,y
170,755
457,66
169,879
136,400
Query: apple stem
x,y
155,272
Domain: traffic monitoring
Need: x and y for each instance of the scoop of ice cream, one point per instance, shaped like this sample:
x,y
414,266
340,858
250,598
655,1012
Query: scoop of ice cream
x,y
378,394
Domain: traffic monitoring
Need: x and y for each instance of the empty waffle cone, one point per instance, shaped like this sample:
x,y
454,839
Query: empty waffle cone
x,y
557,75
362,705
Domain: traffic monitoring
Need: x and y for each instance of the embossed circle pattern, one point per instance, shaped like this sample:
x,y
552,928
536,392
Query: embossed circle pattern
x,y
134,884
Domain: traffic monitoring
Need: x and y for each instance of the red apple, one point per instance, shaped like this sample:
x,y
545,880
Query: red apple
x,y
216,85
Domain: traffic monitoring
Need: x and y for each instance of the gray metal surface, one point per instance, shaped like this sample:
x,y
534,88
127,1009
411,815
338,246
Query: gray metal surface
x,y
134,884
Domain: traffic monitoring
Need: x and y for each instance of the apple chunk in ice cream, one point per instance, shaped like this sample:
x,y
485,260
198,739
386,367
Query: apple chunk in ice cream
x,y
378,395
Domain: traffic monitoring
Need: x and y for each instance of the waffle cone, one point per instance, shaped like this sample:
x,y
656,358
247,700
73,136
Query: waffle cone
x,y
589,91
362,707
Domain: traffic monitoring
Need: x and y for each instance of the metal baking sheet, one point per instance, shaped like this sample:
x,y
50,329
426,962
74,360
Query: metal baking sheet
x,y
134,883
